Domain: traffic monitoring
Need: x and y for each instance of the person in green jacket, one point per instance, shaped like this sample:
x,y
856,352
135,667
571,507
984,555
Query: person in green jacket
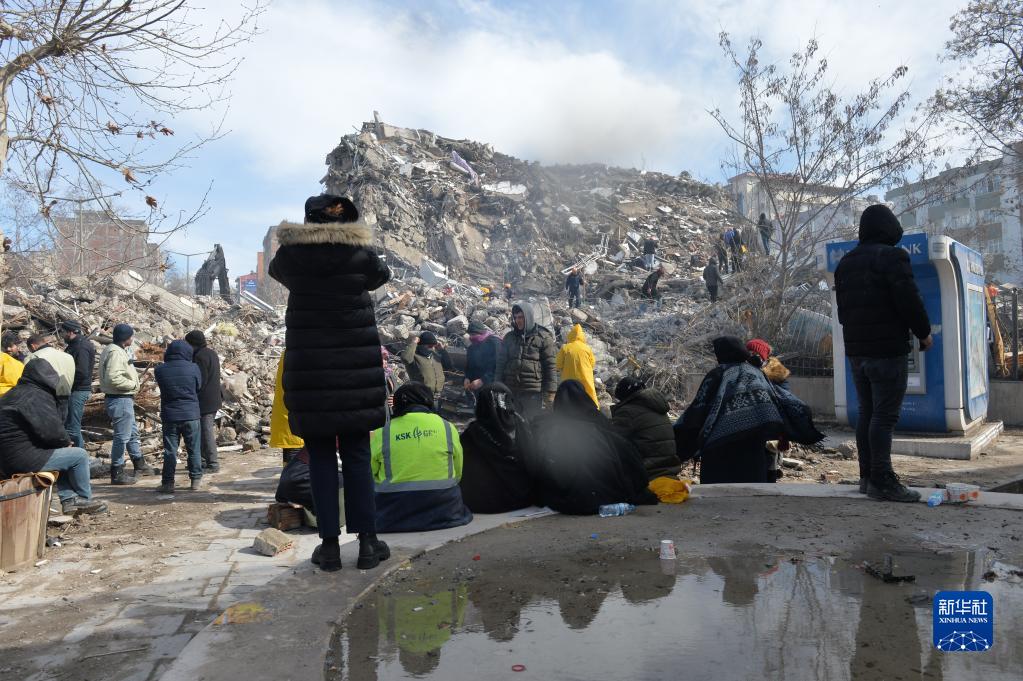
x,y
424,363
119,382
417,463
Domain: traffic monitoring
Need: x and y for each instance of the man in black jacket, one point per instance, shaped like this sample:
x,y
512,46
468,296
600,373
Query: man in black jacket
x,y
879,306
32,439
83,352
573,284
209,397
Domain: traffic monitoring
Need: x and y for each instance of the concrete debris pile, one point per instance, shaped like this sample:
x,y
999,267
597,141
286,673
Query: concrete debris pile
x,y
247,339
491,218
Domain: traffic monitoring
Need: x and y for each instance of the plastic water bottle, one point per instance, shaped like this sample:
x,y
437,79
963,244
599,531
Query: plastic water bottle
x,y
935,499
608,510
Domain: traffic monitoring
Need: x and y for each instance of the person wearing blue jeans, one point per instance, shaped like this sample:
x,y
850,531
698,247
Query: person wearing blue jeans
x,y
119,381
121,410
180,380
73,425
33,439
73,486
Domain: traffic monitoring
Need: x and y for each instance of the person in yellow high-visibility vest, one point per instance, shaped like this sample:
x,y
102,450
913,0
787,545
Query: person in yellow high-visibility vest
x,y
417,463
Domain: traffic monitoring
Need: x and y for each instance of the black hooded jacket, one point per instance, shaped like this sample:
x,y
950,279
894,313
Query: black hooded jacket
x,y
333,370
210,398
83,352
30,425
642,418
879,304
581,463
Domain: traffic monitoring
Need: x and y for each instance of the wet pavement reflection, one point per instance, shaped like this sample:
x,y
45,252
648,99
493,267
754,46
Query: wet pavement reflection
x,y
754,616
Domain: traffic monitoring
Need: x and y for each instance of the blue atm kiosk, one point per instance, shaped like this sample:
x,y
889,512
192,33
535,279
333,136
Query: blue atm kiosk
x,y
948,384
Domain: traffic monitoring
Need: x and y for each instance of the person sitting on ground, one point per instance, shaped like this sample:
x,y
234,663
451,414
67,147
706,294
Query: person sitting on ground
x,y
280,430
180,380
576,362
11,365
61,362
496,448
735,412
641,416
425,365
649,289
581,464
712,277
481,357
417,463
33,439
296,485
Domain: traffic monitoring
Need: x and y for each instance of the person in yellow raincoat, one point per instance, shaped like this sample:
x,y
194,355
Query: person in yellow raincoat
x,y
576,362
280,430
10,372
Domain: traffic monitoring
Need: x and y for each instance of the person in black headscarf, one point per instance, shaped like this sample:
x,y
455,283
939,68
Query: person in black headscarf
x,y
735,412
495,448
581,463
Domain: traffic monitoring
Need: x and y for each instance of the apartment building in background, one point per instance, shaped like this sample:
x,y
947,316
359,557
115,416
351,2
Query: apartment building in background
x,y
819,205
977,205
93,242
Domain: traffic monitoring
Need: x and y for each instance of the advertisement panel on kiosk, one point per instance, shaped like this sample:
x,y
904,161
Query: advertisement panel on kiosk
x,y
948,385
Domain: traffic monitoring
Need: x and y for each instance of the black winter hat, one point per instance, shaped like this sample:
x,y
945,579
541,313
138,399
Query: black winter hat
x,y
628,386
427,338
411,395
316,209
196,338
878,224
71,325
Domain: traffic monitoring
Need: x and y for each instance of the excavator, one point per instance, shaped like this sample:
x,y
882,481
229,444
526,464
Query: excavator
x,y
215,267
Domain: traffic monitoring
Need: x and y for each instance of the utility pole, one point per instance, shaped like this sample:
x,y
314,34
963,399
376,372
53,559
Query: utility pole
x,y
189,285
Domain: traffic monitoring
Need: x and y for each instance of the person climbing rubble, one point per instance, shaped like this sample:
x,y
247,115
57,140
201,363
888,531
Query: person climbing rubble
x,y
333,371
425,364
721,250
119,382
576,362
527,362
712,278
649,289
574,284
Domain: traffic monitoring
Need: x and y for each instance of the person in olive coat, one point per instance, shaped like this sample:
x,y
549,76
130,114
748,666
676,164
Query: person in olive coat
x,y
641,416
334,385
425,362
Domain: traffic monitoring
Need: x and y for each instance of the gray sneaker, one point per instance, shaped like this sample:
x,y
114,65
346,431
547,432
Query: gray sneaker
x,y
76,505
197,485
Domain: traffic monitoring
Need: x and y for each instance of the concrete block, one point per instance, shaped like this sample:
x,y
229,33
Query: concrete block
x,y
271,541
963,448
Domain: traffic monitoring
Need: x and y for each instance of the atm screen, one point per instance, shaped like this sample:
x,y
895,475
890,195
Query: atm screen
x,y
976,328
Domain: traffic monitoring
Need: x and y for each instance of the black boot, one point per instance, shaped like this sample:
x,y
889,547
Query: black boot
x,y
142,466
76,505
328,555
864,483
371,551
889,488
118,476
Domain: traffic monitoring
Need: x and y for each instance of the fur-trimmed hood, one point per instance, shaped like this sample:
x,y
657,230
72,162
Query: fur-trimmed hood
x,y
775,371
346,233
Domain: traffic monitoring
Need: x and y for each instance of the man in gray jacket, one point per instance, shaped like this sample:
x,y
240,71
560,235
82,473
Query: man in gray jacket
x,y
39,348
527,362
119,381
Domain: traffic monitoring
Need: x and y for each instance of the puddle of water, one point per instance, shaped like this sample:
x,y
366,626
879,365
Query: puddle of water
x,y
635,617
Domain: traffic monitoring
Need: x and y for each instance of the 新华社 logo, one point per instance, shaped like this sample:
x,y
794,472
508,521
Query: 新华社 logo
x,y
964,621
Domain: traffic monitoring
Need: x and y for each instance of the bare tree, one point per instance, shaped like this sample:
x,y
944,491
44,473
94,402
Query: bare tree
x,y
983,98
89,91
813,153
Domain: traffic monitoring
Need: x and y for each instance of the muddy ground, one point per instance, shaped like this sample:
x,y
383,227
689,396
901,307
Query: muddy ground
x,y
763,588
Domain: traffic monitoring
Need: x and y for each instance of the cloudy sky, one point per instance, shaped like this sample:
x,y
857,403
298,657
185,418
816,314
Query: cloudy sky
x,y
626,83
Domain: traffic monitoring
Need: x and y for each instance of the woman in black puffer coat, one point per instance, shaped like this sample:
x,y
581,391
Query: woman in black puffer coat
x,y
333,372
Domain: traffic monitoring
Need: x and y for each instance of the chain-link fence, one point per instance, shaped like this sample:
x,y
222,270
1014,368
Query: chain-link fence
x,y
1006,335
805,346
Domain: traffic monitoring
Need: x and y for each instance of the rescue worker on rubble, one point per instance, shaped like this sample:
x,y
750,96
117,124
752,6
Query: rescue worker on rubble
x,y
721,249
573,284
712,278
333,370
576,362
425,364
649,289
527,362
417,463
650,252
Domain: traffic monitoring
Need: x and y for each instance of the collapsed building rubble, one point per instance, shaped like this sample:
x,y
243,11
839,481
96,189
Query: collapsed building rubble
x,y
247,339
